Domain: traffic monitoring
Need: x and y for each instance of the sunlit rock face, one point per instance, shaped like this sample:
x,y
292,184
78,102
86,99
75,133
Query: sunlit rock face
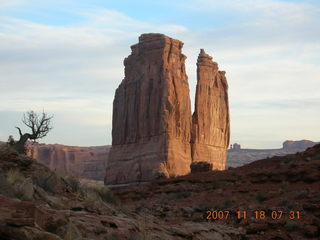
x,y
210,120
151,128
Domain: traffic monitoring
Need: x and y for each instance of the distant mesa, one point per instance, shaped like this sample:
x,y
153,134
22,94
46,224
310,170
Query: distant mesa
x,y
153,130
297,145
238,157
235,146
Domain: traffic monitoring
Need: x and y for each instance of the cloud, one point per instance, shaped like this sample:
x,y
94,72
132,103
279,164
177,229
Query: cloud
x,y
270,50
71,71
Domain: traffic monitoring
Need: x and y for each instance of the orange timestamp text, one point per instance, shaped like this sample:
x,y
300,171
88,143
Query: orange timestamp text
x,y
257,214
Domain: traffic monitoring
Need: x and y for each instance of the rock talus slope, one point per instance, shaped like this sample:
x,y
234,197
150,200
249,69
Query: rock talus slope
x,y
210,121
151,114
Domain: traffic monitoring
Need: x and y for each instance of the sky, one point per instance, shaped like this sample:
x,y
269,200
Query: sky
x,y
66,58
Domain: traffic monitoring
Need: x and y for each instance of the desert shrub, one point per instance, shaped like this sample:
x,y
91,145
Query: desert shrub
x,y
73,182
25,190
260,197
288,159
92,193
292,226
16,185
14,176
234,174
106,195
293,165
212,185
301,195
226,204
47,181
10,141
160,175
5,186
136,236
284,203
72,232
111,236
183,194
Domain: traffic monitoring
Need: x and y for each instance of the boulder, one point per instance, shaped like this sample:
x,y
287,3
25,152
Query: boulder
x,y
201,167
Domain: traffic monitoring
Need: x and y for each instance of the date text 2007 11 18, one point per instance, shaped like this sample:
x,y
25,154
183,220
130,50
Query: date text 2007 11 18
x,y
257,214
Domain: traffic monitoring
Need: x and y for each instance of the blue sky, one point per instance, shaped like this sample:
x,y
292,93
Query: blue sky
x,y
67,57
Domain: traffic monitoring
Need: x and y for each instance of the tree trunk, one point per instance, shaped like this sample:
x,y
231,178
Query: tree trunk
x,y
20,145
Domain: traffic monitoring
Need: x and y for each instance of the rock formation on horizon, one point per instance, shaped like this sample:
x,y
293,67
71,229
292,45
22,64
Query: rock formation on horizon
x,y
300,145
210,120
151,124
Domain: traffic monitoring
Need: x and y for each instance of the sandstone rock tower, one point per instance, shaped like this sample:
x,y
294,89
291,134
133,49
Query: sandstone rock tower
x,y
210,120
151,126
153,131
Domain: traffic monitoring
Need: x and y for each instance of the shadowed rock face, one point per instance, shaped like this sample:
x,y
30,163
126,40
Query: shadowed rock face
x,y
151,125
210,120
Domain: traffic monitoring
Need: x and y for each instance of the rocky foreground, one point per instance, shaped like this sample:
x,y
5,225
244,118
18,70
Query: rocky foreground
x,y
36,203
280,197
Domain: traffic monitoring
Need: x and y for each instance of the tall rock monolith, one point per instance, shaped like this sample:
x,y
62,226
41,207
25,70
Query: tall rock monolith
x,y
151,126
210,120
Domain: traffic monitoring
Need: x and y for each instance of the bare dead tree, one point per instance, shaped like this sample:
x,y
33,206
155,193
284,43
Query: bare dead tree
x,y
39,124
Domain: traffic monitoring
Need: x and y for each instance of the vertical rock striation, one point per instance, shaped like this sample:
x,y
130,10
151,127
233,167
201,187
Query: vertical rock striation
x,y
82,162
210,120
151,124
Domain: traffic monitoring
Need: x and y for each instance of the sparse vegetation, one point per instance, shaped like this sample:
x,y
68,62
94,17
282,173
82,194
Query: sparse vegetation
x,y
14,176
260,197
47,181
292,226
183,194
288,159
92,193
226,204
301,195
73,182
14,184
234,174
40,126
160,175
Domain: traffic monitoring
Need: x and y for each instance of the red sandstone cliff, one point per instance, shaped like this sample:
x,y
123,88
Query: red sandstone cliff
x,y
82,162
151,114
210,121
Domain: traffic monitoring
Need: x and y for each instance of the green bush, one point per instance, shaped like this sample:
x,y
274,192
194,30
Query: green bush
x,y
92,193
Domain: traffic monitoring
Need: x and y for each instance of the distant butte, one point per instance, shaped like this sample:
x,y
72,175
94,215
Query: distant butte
x,y
153,131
